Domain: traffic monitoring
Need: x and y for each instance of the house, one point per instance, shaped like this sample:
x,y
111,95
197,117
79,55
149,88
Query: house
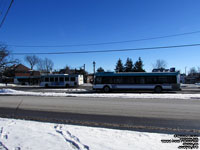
x,y
22,74
160,70
182,78
90,78
192,78
164,70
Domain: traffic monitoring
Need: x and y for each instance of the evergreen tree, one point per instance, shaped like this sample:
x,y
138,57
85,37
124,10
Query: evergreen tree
x,y
129,65
138,66
100,69
119,66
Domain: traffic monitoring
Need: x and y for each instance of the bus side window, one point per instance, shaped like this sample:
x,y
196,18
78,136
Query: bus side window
x,y
66,78
51,79
172,79
107,80
132,80
117,80
127,80
162,80
61,79
124,80
56,79
151,80
42,79
46,79
98,80
142,81
137,80
72,79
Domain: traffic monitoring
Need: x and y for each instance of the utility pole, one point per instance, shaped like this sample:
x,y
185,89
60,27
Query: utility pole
x,y
94,71
185,69
94,66
84,67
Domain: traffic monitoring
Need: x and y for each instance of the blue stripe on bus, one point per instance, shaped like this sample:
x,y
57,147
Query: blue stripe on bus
x,y
57,83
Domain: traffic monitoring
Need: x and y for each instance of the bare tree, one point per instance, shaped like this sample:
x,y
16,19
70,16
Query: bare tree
x,y
5,58
100,69
48,64
40,65
160,64
192,71
45,65
32,60
67,70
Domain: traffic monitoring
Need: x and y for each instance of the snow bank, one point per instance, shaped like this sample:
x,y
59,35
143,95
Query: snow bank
x,y
66,90
111,95
20,134
196,85
4,85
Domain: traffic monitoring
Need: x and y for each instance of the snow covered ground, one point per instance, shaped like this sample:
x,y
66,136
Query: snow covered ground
x,y
196,85
6,91
32,135
4,85
66,90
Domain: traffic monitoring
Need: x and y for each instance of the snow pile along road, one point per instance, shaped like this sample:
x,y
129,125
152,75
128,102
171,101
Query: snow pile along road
x,y
4,85
24,135
111,95
66,90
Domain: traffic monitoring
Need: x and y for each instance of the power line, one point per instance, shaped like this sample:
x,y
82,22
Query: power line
x,y
6,13
116,42
105,51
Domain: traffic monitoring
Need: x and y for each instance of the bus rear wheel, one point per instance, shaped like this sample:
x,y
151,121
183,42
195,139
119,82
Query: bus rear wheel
x,y
106,89
46,85
158,89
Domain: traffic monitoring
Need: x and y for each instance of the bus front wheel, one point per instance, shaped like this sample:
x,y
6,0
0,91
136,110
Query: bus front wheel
x,y
158,89
106,89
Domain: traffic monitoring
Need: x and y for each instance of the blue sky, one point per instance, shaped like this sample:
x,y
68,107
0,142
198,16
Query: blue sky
x,y
65,22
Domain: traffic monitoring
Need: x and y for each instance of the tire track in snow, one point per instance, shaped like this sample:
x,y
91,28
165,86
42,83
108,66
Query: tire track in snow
x,y
2,136
71,139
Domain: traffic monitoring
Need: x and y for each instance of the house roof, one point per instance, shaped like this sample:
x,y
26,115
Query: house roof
x,y
21,67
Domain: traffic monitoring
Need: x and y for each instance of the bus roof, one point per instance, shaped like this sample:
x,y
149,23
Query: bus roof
x,y
137,74
60,75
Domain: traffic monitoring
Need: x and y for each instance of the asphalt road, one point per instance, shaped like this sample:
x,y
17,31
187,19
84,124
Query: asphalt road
x,y
159,115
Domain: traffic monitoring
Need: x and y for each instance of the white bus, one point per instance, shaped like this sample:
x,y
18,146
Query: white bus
x,y
156,81
61,80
